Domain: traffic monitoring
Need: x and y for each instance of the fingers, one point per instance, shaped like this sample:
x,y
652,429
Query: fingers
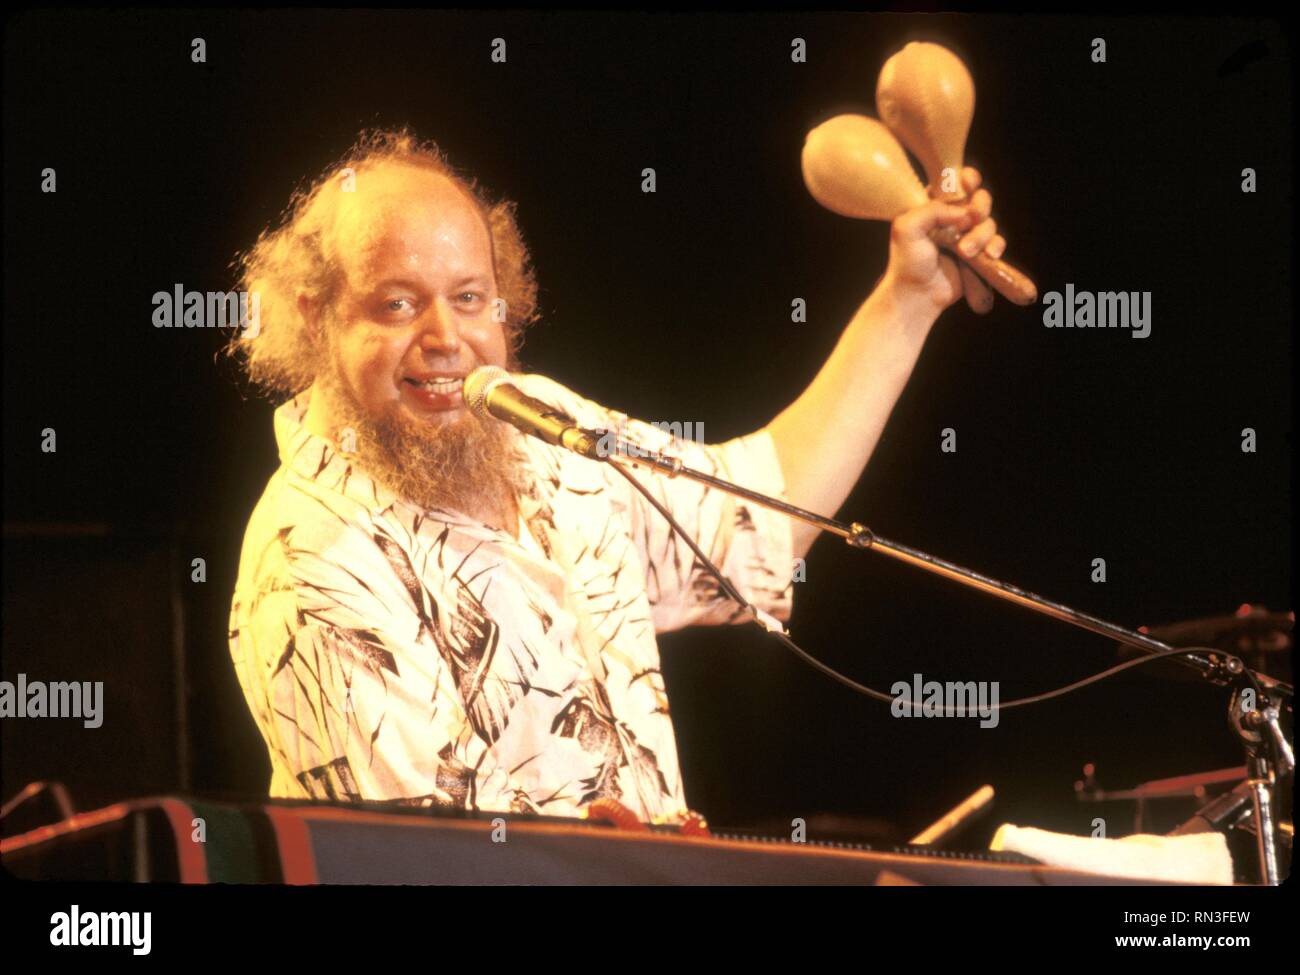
x,y
972,218
978,294
979,238
916,224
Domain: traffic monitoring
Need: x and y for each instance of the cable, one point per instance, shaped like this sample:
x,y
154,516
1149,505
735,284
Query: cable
x,y
757,616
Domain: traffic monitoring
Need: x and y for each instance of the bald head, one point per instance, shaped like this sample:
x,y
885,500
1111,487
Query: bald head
x,y
404,215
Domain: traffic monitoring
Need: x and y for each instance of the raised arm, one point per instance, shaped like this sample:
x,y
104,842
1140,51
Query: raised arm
x,y
826,436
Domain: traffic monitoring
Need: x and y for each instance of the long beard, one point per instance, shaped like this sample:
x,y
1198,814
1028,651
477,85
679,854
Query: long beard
x,y
470,466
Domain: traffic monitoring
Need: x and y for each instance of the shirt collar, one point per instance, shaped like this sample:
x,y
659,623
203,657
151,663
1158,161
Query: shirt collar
x,y
321,462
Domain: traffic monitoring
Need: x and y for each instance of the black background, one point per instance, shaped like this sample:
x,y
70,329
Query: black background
x,y
1072,445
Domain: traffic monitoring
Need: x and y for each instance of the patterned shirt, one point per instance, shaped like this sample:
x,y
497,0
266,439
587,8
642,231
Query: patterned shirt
x,y
391,652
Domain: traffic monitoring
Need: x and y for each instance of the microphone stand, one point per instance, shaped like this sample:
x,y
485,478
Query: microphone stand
x,y
1254,709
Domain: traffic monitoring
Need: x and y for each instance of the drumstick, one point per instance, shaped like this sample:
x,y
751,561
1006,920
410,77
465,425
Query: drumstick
x,y
958,816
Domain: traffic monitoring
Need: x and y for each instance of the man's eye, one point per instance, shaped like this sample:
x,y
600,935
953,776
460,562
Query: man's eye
x,y
470,295
396,303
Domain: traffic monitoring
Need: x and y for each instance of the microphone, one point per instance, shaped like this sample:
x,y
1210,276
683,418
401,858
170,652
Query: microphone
x,y
489,392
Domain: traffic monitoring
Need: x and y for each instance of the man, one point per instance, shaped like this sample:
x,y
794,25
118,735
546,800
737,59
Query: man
x,y
436,610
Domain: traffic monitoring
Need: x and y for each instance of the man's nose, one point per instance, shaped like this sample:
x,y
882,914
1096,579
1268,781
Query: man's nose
x,y
439,331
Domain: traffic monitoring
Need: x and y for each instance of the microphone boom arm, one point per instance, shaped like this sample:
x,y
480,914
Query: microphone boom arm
x,y
859,536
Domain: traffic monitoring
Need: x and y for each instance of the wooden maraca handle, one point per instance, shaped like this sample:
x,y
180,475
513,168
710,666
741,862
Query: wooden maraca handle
x,y
1012,284
978,295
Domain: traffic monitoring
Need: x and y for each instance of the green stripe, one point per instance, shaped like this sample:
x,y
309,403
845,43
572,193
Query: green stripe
x,y
229,844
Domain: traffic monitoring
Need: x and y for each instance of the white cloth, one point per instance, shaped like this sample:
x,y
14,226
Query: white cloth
x,y
393,653
1197,858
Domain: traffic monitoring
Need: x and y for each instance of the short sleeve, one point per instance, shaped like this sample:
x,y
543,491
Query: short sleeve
x,y
752,545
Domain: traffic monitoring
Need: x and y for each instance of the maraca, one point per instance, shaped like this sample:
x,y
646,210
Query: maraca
x,y
927,98
853,166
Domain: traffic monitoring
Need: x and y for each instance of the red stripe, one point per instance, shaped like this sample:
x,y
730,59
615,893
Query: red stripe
x,y
190,855
294,839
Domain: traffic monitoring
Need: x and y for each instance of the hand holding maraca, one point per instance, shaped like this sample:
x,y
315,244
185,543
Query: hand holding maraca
x,y
856,166
918,268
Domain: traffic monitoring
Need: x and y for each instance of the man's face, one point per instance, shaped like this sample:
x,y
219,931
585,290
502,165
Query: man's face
x,y
415,314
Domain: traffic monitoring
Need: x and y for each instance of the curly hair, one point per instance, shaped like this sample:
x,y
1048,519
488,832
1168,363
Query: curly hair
x,y
298,256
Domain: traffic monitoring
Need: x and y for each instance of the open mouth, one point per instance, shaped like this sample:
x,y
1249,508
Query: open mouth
x,y
435,395
439,385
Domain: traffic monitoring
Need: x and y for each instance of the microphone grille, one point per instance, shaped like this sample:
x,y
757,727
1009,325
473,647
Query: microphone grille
x,y
477,386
